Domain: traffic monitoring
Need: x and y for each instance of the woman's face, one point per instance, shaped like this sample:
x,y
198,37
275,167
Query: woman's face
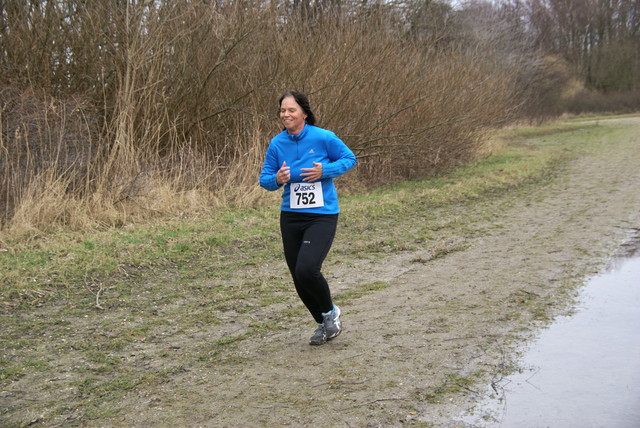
x,y
292,115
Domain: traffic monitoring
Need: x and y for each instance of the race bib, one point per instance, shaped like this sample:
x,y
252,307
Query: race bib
x,y
306,195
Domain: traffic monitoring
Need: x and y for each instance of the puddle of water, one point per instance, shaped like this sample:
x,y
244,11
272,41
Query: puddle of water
x,y
584,371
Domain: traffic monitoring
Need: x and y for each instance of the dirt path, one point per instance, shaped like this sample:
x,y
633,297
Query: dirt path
x,y
415,352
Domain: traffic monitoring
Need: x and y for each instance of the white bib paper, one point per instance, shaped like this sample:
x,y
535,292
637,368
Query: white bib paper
x,y
306,195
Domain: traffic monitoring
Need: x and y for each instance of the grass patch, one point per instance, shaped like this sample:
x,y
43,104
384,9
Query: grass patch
x,y
37,268
360,290
455,383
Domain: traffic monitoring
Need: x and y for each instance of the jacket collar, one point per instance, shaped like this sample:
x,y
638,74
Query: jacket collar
x,y
300,135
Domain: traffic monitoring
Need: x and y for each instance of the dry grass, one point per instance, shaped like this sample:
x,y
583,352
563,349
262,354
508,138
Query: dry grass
x,y
587,101
158,110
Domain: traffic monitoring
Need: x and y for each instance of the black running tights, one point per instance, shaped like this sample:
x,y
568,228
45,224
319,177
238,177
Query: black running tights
x,y
306,239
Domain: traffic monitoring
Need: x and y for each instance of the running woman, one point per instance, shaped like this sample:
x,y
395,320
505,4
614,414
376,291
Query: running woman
x,y
304,159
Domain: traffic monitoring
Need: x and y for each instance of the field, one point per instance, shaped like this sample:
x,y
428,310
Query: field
x,y
194,322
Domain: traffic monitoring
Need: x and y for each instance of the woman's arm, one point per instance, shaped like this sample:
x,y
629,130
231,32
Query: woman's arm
x,y
270,170
342,158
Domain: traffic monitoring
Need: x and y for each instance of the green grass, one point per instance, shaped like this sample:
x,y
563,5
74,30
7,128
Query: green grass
x,y
39,268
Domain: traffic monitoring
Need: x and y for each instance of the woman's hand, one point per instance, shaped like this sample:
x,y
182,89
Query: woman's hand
x,y
283,175
312,174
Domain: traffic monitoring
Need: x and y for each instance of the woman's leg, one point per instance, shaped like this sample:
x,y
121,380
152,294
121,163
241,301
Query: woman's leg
x,y
307,240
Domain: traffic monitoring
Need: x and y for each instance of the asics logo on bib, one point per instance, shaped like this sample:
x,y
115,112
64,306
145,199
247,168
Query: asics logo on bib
x,y
304,188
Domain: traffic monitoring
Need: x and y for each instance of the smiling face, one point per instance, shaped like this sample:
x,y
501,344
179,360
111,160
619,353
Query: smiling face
x,y
292,115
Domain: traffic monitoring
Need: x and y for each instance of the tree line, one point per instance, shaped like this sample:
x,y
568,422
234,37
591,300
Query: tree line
x,y
118,109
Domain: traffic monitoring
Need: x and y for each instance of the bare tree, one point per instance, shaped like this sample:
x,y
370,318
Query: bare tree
x,y
600,38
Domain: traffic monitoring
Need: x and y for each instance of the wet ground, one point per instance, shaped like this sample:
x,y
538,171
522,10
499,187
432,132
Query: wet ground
x,y
583,371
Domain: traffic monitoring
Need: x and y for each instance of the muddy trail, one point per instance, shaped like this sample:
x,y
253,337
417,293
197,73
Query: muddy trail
x,y
417,351
413,351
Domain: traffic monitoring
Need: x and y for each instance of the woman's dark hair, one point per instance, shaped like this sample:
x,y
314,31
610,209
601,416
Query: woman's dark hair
x,y
303,102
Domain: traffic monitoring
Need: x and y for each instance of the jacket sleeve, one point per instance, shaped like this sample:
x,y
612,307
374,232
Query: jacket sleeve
x,y
269,170
341,157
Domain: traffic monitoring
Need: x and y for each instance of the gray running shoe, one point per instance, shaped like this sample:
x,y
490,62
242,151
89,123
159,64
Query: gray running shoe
x,y
332,324
319,336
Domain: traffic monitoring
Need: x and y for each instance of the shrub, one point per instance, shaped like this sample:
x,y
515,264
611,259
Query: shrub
x,y
159,108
